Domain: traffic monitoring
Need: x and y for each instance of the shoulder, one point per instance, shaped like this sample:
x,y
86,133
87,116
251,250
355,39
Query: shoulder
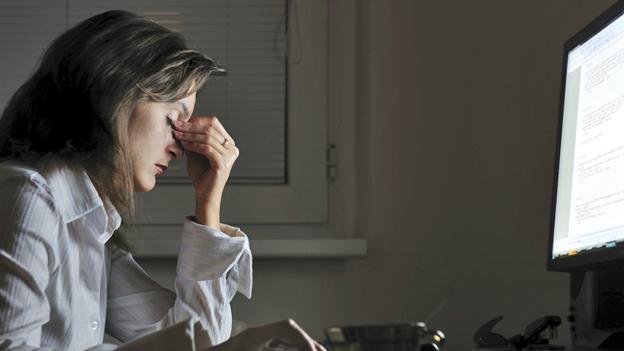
x,y
29,183
30,217
15,175
28,209
26,194
67,187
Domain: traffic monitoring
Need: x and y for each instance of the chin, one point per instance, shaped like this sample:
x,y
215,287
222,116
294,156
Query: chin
x,y
144,185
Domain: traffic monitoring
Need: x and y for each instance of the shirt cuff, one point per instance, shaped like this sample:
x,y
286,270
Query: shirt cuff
x,y
208,254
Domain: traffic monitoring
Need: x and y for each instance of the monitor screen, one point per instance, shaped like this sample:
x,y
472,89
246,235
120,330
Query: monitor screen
x,y
588,211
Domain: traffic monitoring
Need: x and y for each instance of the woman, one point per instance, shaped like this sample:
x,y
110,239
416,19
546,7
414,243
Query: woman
x,y
107,109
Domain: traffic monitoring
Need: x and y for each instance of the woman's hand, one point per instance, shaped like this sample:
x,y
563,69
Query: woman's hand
x,y
284,335
209,163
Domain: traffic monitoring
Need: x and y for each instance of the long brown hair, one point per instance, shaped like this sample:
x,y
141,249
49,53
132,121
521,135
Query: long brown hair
x,y
75,108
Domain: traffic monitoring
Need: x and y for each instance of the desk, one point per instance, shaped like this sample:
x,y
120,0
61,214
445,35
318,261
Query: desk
x,y
568,348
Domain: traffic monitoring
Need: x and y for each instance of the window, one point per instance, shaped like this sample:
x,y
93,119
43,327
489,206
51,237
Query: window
x,y
278,210
288,183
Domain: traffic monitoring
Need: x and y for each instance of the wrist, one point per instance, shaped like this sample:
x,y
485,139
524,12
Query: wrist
x,y
208,213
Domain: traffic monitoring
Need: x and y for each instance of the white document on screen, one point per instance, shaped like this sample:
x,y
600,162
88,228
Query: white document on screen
x,y
597,192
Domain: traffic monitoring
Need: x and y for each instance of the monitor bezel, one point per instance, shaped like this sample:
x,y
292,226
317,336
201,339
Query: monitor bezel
x,y
600,257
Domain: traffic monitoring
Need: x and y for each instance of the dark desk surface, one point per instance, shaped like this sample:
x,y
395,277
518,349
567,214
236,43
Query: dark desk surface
x,y
568,348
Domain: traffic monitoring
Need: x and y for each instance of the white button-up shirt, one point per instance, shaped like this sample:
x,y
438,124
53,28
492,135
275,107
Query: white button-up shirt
x,y
61,287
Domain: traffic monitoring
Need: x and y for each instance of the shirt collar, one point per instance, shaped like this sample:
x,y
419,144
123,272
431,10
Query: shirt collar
x,y
78,199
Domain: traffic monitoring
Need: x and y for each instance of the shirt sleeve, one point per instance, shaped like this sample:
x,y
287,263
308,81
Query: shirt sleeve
x,y
212,266
27,258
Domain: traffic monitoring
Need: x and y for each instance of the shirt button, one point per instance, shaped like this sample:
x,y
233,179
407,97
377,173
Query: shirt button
x,y
94,325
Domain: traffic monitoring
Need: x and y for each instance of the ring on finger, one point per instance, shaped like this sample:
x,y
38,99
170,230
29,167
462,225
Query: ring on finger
x,y
228,142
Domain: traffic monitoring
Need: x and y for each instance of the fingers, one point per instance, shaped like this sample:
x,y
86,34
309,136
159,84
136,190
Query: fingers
x,y
217,124
275,336
205,136
318,346
200,139
203,125
299,337
202,149
222,130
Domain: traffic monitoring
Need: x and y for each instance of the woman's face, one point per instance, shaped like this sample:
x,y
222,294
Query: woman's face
x,y
151,139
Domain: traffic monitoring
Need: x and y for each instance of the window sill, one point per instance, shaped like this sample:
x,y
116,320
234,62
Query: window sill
x,y
268,248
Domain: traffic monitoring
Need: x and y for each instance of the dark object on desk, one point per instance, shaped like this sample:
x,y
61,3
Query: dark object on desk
x,y
536,336
597,308
484,338
394,337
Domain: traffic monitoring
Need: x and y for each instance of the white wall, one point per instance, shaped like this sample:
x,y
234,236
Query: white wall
x,y
456,111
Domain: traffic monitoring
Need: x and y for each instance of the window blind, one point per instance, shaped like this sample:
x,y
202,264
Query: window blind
x,y
248,38
26,28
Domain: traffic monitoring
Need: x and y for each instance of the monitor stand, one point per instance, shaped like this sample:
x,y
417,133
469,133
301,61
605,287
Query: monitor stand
x,y
597,308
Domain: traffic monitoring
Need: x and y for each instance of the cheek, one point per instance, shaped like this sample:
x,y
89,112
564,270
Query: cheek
x,y
142,147
150,134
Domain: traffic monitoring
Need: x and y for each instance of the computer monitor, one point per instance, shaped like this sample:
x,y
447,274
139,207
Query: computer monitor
x,y
587,218
587,227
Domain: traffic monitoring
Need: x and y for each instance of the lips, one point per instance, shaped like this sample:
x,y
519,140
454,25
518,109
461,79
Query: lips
x,y
161,168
